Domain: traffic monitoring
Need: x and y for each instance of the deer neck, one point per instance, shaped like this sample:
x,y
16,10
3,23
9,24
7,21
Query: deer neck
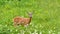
x,y
30,19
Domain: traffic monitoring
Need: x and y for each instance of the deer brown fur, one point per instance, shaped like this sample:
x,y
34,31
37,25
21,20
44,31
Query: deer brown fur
x,y
22,21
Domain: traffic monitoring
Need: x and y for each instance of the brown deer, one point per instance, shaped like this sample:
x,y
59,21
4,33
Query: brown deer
x,y
22,21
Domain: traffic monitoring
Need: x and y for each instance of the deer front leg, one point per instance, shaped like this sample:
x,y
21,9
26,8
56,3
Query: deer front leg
x,y
26,25
15,24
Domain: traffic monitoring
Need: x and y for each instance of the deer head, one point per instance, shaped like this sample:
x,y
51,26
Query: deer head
x,y
30,14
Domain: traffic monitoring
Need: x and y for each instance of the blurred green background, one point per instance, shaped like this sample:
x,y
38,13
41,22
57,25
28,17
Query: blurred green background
x,y
45,19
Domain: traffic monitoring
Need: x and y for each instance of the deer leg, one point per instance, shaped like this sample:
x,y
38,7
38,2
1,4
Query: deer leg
x,y
26,25
15,24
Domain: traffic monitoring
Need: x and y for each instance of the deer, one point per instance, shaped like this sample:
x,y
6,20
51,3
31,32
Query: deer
x,y
22,21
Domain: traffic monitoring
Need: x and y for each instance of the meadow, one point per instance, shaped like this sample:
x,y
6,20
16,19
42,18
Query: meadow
x,y
45,19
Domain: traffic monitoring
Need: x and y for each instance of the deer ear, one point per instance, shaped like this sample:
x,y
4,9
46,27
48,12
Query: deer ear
x,y
30,12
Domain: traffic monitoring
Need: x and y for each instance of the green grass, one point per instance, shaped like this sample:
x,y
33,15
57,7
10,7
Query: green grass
x,y
46,16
